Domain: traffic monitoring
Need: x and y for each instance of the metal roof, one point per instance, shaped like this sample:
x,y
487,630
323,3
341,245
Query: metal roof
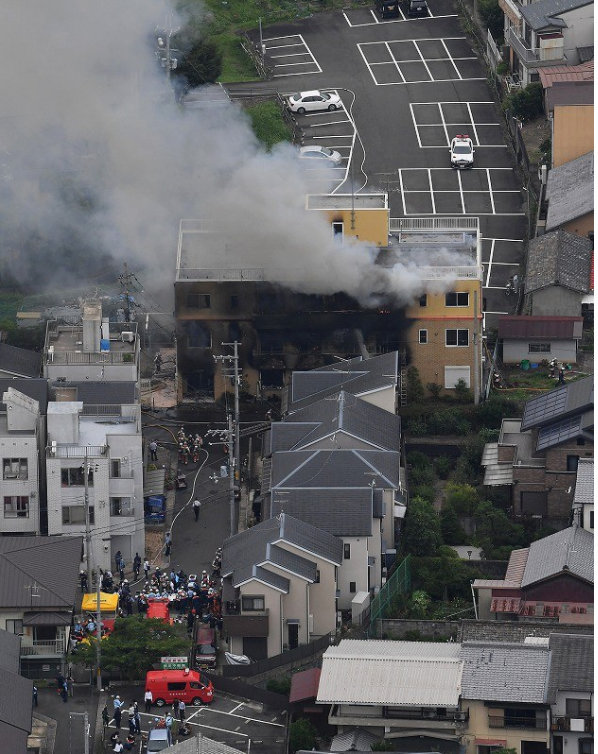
x,y
207,746
105,393
341,512
529,328
47,619
571,664
545,13
381,648
559,258
570,399
357,376
304,685
516,566
257,573
411,676
570,187
10,651
39,572
570,550
36,388
558,432
16,694
584,485
504,672
20,361
358,739
559,74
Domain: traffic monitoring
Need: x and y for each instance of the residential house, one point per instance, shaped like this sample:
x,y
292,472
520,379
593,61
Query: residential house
x,y
583,499
558,274
38,588
94,459
443,337
373,379
97,349
355,216
279,586
537,456
16,694
206,746
546,33
396,690
348,493
19,447
553,579
537,339
571,693
567,85
19,362
566,121
570,196
503,689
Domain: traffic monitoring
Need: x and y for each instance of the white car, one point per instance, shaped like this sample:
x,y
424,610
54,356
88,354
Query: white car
x,y
462,152
304,102
320,155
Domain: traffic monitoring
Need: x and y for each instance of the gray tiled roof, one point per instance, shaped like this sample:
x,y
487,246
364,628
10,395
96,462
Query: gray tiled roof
x,y
20,361
15,705
504,672
257,546
34,387
570,187
335,468
49,564
558,258
345,420
571,664
275,580
10,649
570,550
571,399
109,393
357,376
343,513
544,13
584,485
208,746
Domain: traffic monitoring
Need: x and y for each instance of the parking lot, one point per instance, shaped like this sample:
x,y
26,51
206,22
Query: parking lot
x,y
401,135
290,56
239,723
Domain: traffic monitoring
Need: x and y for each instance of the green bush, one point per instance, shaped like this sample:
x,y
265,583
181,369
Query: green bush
x,y
493,17
462,498
201,64
415,389
268,124
443,466
417,426
302,735
426,491
421,534
279,685
449,421
450,528
527,103
462,392
502,68
434,388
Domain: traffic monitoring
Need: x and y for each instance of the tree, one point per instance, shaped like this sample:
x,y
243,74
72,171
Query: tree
x,y
422,528
415,388
452,531
134,646
527,103
462,498
302,735
201,64
495,530
493,17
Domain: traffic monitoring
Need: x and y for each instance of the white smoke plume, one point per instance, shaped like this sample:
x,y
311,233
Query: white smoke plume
x,y
98,163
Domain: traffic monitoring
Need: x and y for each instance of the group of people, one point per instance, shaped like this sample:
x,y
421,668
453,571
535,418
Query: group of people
x,y
189,446
134,721
64,686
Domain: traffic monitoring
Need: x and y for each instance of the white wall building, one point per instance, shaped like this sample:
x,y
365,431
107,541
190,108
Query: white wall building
x,y
105,439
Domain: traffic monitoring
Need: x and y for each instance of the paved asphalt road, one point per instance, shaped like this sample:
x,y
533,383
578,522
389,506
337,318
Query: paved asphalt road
x,y
412,85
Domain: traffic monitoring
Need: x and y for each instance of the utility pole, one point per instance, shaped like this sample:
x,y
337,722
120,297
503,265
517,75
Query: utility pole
x,y
98,635
87,522
89,572
231,477
234,375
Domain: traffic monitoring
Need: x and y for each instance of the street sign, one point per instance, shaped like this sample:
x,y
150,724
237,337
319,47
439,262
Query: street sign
x,y
174,663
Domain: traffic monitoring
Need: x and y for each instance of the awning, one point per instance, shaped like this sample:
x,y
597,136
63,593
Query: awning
x,y
108,602
491,741
304,685
47,619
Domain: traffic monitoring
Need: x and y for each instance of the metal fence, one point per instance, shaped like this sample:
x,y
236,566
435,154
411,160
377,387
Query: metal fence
x,y
245,690
399,582
294,657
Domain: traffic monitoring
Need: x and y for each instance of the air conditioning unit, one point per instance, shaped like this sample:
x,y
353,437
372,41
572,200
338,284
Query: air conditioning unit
x,y
127,336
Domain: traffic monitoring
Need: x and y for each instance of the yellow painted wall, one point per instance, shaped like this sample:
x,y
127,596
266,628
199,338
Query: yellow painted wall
x,y
478,728
581,225
370,225
572,132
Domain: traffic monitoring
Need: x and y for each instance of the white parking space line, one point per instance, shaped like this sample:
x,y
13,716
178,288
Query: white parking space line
x,y
284,47
330,123
394,20
419,141
419,39
432,191
244,717
446,134
461,192
365,60
490,188
402,193
234,709
471,118
373,16
311,61
423,60
490,262
451,59
394,61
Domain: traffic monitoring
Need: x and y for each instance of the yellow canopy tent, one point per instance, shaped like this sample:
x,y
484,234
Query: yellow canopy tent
x,y
108,603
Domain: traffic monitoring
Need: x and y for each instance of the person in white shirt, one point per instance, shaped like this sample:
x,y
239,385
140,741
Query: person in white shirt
x,y
148,698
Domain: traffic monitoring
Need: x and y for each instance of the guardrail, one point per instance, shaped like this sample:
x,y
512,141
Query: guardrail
x,y
433,223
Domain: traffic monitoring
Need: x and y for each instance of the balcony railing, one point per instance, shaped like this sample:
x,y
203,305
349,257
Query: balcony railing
x,y
43,647
533,57
564,724
499,721
76,451
456,716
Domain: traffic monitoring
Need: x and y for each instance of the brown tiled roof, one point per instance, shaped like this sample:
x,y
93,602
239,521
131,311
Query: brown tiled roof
x,y
512,326
558,74
516,567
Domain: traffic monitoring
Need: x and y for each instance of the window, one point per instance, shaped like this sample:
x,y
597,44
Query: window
x,y
75,514
14,468
581,441
176,686
452,375
586,746
423,300
234,302
198,335
121,506
75,477
14,626
423,336
454,298
457,337
557,745
198,301
538,348
578,707
591,519
347,551
16,506
352,587
338,230
253,603
115,468
317,579
572,463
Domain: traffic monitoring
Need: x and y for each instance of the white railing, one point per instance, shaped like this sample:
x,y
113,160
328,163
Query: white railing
x,y
44,647
457,272
396,224
198,273
76,451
